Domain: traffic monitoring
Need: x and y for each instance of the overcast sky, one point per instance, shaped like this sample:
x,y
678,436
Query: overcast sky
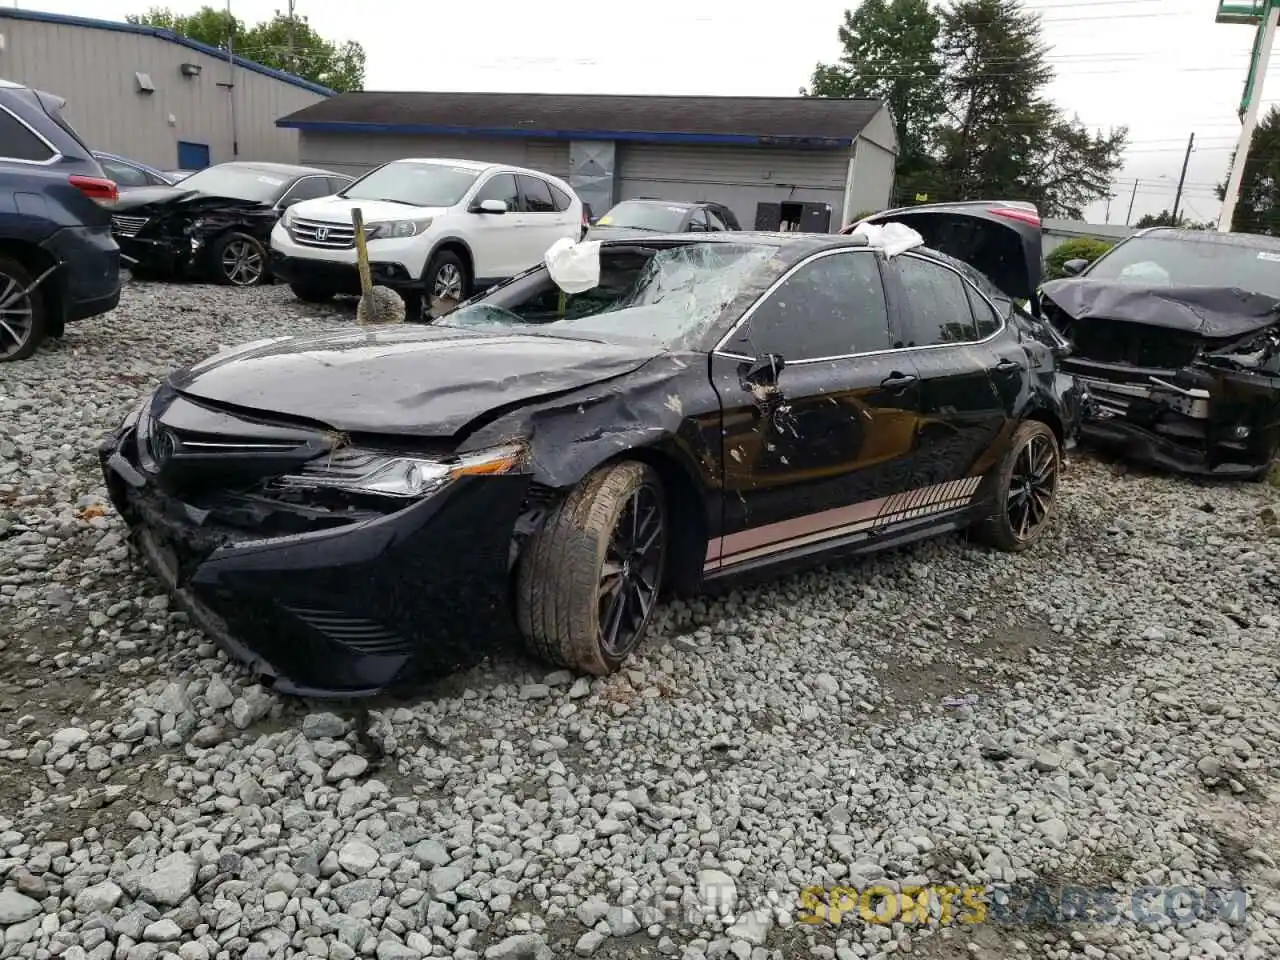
x,y
1163,67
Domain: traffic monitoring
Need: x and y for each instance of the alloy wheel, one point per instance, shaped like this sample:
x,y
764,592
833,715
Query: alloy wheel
x,y
632,571
1033,485
241,263
447,283
17,316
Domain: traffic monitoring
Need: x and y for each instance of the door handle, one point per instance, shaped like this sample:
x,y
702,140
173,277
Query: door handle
x,y
898,381
1006,365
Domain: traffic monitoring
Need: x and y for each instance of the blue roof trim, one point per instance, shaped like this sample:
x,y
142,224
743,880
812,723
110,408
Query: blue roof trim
x,y
633,136
160,33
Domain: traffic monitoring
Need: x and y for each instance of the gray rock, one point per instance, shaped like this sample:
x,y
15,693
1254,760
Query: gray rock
x,y
347,767
15,907
170,882
99,898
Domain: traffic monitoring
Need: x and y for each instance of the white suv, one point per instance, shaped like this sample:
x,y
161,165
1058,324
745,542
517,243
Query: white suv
x,y
446,227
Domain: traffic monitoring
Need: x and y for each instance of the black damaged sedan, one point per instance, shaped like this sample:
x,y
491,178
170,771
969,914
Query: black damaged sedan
x,y
350,511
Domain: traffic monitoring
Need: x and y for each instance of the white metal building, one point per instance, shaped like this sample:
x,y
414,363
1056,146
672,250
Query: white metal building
x,y
739,151
150,95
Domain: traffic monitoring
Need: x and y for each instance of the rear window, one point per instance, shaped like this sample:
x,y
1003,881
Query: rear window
x,y
656,217
562,199
17,142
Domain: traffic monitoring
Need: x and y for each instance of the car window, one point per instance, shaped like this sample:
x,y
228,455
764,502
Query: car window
x,y
831,307
715,220
308,188
725,214
338,184
986,317
123,174
562,200
697,221
1164,259
502,187
537,195
17,142
936,305
422,183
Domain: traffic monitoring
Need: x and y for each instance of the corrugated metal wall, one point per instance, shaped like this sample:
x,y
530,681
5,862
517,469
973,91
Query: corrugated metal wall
x,y
93,69
738,177
348,153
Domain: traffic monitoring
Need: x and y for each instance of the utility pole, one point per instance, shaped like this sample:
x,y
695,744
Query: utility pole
x,y
1177,197
293,68
1107,218
1133,196
1264,13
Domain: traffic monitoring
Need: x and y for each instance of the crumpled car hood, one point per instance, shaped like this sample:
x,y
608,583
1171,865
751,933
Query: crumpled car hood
x,y
1215,313
408,381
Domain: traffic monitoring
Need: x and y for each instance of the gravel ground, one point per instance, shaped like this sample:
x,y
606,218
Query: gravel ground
x,y
1122,733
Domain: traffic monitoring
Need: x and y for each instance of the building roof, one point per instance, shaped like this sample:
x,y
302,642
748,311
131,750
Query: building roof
x,y
781,121
160,33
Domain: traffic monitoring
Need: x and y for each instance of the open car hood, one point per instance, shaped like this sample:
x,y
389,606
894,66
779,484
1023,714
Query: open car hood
x,y
1000,240
423,381
1215,313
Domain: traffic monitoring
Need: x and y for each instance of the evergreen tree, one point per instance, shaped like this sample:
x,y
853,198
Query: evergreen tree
x,y
1258,207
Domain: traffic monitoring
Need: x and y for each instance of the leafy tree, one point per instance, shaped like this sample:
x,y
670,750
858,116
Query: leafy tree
x,y
1001,136
967,91
337,65
1258,206
1165,219
1077,248
891,54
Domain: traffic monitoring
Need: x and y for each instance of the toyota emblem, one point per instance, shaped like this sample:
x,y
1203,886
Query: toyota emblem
x,y
322,233
163,445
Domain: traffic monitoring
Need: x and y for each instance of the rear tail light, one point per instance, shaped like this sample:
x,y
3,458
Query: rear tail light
x,y
1013,213
97,188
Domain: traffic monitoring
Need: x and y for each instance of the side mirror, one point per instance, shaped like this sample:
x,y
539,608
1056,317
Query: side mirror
x,y
761,372
490,206
1073,268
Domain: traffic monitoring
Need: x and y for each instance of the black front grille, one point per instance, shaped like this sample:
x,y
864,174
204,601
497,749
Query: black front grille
x,y
1136,344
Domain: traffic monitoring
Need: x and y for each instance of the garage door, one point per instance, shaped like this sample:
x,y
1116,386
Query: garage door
x,y
738,177
549,156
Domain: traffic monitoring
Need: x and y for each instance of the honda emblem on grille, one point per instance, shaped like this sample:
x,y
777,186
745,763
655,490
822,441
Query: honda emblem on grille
x,y
322,233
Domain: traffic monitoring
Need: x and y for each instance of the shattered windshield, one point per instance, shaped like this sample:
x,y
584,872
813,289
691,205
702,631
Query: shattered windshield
x,y
666,297
1169,261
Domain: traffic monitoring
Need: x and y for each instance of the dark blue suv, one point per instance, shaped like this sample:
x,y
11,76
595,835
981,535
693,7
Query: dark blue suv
x,y
58,261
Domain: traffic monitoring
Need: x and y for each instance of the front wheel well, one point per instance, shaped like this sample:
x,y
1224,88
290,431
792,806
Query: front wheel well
x,y
1051,420
458,249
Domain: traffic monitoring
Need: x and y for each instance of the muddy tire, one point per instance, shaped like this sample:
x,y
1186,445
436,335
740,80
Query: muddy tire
x,y
588,581
1021,494
24,320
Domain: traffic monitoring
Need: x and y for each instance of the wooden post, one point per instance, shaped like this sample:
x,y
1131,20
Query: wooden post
x,y
362,253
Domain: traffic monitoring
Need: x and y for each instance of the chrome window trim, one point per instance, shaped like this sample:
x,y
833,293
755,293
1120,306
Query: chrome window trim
x,y
56,154
718,349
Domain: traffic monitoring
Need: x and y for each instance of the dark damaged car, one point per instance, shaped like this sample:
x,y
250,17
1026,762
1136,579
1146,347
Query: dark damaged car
x,y
1176,335
216,223
347,511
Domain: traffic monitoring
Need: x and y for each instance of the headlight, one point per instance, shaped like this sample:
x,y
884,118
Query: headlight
x,y
194,226
362,471
288,217
386,229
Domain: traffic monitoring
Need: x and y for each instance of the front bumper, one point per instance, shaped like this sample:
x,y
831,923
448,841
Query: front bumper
x,y
340,277
162,256
1184,421
343,612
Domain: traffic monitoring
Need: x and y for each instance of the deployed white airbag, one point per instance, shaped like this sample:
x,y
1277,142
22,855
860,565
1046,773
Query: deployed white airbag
x,y
574,266
892,238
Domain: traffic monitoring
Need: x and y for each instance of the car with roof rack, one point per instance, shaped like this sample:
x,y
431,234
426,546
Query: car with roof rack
x,y
58,260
